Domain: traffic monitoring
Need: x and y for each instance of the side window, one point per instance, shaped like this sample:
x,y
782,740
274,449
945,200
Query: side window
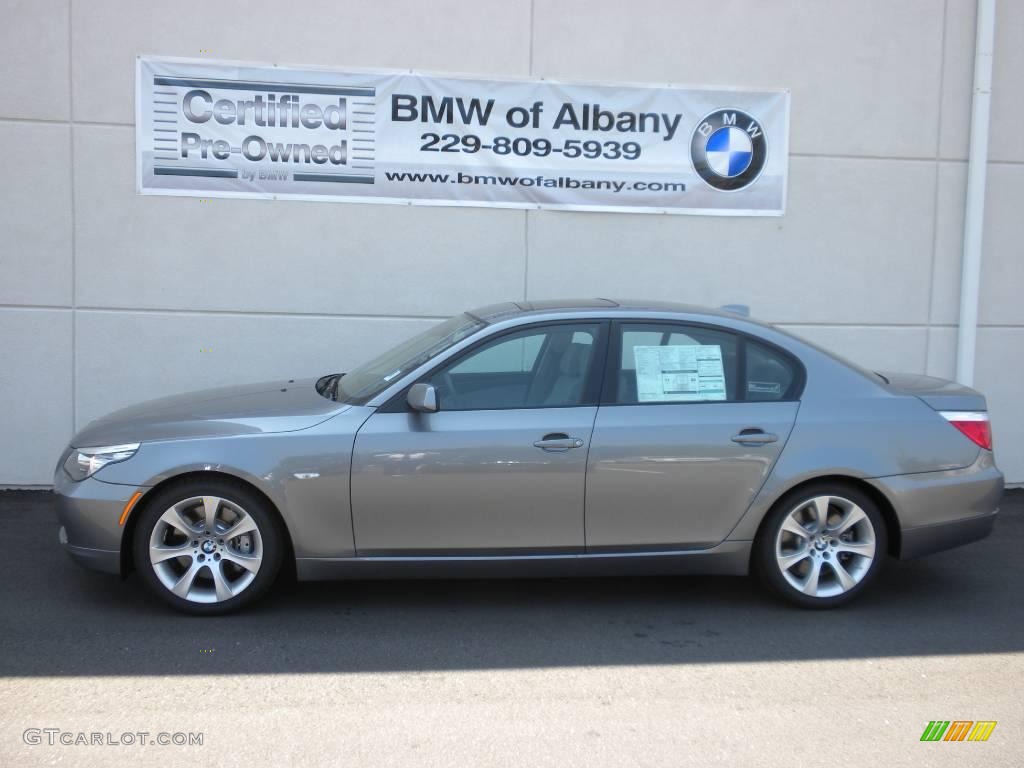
x,y
671,363
513,356
546,367
770,375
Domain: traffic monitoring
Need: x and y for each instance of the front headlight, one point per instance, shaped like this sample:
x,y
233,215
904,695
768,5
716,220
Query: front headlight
x,y
83,462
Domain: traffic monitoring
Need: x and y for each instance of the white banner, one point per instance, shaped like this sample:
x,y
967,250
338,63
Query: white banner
x,y
213,129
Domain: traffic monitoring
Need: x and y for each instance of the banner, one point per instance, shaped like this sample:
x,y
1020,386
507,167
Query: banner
x,y
216,129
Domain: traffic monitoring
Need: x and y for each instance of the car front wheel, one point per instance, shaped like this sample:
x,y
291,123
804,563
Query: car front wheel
x,y
207,547
821,546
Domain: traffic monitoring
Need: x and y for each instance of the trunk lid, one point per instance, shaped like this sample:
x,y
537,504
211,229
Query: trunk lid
x,y
940,394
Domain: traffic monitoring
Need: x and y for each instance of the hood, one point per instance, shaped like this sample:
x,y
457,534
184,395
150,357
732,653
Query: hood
x,y
276,406
940,394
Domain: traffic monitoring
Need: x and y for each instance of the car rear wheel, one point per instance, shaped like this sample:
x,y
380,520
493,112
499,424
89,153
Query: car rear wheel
x,y
208,546
821,546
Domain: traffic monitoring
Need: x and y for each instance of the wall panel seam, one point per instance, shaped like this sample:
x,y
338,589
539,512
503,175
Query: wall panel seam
x,y
785,324
935,195
526,213
74,226
911,326
36,307
12,307
254,313
530,61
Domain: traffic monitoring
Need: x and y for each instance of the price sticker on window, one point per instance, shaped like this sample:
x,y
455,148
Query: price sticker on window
x,y
679,373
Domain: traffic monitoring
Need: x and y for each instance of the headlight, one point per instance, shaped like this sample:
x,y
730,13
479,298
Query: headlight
x,y
88,461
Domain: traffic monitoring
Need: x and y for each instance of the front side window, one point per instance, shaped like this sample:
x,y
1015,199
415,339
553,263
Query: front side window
x,y
543,367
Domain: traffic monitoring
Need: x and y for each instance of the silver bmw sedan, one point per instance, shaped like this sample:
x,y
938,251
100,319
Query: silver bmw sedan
x,y
549,438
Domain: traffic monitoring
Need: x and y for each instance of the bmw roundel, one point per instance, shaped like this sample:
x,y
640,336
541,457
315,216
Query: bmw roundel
x,y
728,149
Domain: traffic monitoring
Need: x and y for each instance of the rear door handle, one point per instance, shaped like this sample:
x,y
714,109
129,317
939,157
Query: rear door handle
x,y
558,441
754,437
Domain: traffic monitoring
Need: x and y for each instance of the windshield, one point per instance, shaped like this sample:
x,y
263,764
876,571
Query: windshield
x,y
370,379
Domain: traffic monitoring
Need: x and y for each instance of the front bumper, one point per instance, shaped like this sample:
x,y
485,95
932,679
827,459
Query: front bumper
x,y
89,512
102,560
941,510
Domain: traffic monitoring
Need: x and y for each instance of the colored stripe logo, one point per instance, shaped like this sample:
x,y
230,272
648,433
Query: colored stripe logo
x,y
958,730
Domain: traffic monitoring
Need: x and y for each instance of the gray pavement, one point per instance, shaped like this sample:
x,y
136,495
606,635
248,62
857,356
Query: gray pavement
x,y
674,671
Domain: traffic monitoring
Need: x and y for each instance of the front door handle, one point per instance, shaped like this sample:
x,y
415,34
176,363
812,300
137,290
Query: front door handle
x,y
754,437
558,441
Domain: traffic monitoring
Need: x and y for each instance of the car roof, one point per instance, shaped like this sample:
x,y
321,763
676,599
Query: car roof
x,y
509,309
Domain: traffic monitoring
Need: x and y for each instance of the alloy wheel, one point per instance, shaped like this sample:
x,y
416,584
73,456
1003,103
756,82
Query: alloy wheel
x,y
206,549
825,546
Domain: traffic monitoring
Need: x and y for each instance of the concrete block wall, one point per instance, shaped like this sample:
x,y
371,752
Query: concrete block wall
x,y
108,298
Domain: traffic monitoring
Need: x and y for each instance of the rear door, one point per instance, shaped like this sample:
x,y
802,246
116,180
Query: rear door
x,y
692,420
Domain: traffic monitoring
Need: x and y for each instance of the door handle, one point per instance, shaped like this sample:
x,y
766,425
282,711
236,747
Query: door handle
x,y
754,436
558,441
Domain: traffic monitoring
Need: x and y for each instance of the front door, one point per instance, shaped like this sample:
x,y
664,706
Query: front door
x,y
500,468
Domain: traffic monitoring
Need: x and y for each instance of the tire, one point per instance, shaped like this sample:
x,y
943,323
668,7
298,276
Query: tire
x,y
208,572
821,566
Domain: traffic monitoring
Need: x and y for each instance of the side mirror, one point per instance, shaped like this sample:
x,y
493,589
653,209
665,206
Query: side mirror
x,y
422,397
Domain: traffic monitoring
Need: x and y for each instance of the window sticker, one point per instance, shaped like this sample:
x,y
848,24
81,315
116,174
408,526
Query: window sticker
x,y
680,373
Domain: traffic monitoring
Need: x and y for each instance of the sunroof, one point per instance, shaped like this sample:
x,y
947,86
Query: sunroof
x,y
544,304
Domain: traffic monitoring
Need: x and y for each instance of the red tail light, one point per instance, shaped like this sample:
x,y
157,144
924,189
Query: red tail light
x,y
974,424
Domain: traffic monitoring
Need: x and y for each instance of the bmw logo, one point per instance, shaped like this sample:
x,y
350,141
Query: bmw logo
x,y
728,149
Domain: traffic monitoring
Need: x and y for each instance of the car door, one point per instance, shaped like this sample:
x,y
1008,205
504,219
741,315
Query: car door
x,y
692,420
500,468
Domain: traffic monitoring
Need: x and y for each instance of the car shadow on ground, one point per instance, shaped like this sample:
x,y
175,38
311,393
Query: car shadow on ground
x,y
64,621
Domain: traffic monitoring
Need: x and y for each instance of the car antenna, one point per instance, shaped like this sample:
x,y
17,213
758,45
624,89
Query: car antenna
x,y
743,310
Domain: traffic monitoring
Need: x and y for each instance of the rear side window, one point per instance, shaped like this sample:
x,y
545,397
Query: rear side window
x,y
770,374
677,363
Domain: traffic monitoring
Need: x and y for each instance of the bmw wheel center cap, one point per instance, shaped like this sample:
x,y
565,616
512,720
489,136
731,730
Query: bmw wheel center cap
x,y
728,149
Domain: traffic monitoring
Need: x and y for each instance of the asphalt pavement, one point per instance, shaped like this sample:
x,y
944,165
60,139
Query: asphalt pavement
x,y
667,671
